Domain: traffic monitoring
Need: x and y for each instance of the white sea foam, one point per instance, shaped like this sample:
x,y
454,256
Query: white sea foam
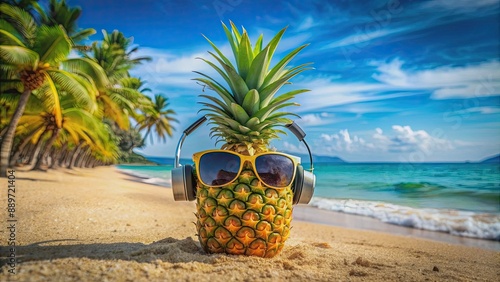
x,y
460,223
149,178
158,181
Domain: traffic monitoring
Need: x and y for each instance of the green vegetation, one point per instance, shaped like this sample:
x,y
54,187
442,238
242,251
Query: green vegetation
x,y
58,110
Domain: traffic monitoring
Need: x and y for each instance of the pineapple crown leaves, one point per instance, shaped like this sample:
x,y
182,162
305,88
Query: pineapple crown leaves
x,y
245,111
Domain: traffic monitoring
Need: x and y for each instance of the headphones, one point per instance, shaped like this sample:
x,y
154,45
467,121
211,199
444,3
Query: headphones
x,y
184,182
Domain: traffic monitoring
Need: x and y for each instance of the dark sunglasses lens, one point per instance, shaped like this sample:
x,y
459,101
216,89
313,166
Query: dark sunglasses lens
x,y
218,168
275,170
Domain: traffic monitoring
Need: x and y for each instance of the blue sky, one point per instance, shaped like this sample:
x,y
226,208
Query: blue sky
x,y
406,81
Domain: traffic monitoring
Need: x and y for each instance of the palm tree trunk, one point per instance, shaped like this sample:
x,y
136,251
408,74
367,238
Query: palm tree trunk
x,y
3,132
79,158
75,155
24,157
143,139
63,159
35,153
50,157
9,135
20,148
83,155
69,157
36,150
45,150
87,162
85,158
58,155
90,160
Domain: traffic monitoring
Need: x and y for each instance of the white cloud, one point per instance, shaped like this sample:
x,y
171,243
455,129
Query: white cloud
x,y
380,139
172,64
472,90
362,37
343,142
402,140
393,80
484,110
170,70
400,19
408,140
326,93
445,82
291,42
291,148
307,23
315,119
460,5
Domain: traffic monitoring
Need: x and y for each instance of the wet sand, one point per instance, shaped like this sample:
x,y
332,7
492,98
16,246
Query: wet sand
x,y
312,214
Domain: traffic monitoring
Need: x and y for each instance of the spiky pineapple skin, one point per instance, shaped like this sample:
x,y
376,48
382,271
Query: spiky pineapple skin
x,y
244,217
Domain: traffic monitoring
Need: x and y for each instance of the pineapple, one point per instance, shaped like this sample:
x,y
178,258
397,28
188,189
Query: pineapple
x,y
246,217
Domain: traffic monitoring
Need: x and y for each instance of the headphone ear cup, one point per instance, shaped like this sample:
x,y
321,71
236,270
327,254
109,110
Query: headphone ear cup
x,y
189,183
309,183
182,183
298,184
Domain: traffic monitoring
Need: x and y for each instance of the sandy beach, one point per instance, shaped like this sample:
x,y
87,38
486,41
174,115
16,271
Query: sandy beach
x,y
102,225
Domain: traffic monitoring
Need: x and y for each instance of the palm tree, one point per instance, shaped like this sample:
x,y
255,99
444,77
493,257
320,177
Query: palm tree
x,y
123,50
103,150
114,55
34,56
8,101
38,126
60,13
122,98
31,6
78,124
158,118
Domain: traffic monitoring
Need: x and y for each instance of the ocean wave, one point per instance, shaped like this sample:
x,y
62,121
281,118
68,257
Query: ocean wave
x,y
417,186
148,178
158,181
455,222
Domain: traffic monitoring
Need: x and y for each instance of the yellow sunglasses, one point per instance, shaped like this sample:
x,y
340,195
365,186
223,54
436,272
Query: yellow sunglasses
x,y
216,168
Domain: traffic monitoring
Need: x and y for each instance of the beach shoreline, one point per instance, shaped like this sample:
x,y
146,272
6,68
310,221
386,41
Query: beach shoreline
x,y
359,222
314,214
96,224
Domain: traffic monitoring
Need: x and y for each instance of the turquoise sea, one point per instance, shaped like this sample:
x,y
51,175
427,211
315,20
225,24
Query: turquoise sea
x,y
461,199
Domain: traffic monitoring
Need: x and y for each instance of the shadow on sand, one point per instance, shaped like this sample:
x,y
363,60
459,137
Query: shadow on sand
x,y
167,250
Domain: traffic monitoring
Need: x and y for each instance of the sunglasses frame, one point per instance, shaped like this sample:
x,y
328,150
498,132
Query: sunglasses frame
x,y
243,159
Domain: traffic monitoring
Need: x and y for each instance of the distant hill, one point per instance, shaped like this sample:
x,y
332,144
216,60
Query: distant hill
x,y
318,159
327,159
491,160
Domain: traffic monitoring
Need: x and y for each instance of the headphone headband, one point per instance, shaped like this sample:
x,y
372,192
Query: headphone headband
x,y
183,185
293,127
186,132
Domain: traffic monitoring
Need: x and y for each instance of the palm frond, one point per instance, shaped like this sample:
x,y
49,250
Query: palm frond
x,y
113,111
21,20
88,67
82,34
75,86
53,44
18,56
9,35
56,111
